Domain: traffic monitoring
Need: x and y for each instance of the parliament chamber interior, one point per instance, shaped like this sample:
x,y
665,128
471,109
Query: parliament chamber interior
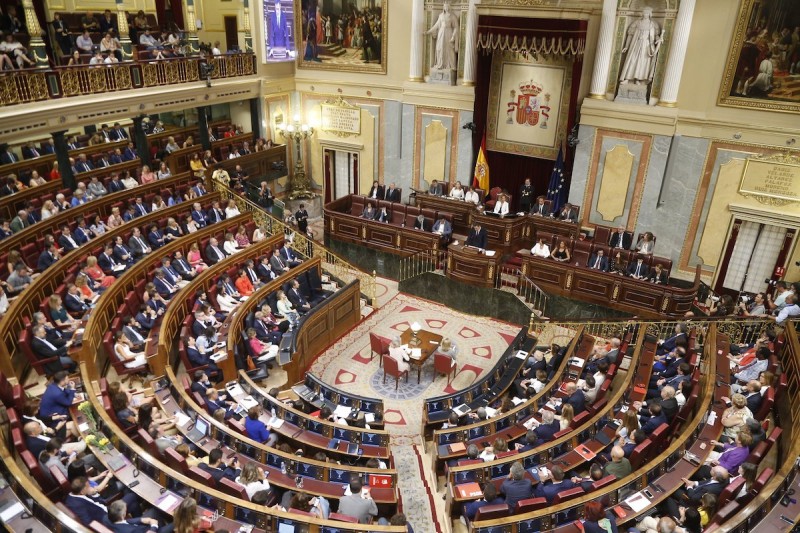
x,y
339,266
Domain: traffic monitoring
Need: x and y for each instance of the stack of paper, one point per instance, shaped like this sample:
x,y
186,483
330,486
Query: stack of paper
x,y
247,402
637,502
342,411
416,353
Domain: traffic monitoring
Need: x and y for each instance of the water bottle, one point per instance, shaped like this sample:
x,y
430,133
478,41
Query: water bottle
x,y
283,468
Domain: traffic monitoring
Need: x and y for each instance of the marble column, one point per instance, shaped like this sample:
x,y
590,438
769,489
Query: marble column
x,y
36,45
140,140
605,43
677,54
62,156
471,45
124,31
248,36
417,20
191,27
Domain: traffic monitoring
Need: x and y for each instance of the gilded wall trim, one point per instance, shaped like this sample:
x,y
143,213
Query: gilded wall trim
x,y
419,113
641,173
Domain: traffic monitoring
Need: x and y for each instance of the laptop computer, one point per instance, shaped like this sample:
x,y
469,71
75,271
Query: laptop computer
x,y
199,431
117,462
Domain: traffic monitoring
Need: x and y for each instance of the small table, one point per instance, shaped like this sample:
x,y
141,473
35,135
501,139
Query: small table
x,y
429,343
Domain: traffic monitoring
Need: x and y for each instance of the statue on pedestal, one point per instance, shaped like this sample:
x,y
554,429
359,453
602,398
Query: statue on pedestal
x,y
446,34
642,44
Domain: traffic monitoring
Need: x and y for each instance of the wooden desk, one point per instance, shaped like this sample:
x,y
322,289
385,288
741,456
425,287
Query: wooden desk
x,y
428,343
613,290
461,210
468,265
389,238
505,234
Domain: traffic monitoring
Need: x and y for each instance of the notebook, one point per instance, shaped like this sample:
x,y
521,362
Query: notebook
x,y
469,490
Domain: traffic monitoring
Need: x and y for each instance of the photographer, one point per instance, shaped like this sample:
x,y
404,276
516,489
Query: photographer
x,y
756,307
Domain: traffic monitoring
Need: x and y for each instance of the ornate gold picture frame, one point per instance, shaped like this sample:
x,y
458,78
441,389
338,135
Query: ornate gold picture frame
x,y
333,35
528,104
763,66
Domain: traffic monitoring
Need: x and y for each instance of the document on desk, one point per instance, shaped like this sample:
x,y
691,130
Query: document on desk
x,y
247,402
181,419
11,512
637,502
416,353
490,253
236,391
342,411
167,503
522,354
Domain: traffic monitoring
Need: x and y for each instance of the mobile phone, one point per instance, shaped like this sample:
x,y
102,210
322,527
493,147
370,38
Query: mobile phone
x,y
787,520
133,483
648,494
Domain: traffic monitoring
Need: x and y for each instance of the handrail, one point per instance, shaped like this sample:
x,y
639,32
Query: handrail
x,y
25,86
421,262
304,246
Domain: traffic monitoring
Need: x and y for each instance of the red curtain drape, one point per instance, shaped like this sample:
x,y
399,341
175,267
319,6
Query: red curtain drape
x,y
509,170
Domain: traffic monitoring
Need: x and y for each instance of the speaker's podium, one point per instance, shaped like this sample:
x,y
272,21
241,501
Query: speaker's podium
x,y
468,264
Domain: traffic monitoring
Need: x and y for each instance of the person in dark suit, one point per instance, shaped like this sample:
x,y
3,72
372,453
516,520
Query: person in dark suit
x,y
115,185
264,270
182,267
516,487
598,261
66,241
595,474
669,344
422,223
637,269
30,152
199,359
218,469
267,328
121,252
298,300
289,256
382,215
73,300
693,491
490,497
106,260
45,349
658,275
200,383
279,266
280,28
116,157
138,245
550,488
392,194
620,239
58,396
117,522
215,214
752,393
155,237
655,418
199,215
525,196
684,374
575,398
540,208
443,228
549,427
376,192
214,254
215,402
164,288
88,506
48,256
301,217
7,157
118,133
130,153
35,441
435,188
476,237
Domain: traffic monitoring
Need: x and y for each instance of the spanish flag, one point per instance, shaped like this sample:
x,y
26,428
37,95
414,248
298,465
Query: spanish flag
x,y
481,178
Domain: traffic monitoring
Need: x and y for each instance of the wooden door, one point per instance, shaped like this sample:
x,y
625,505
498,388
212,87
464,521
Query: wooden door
x,y
231,33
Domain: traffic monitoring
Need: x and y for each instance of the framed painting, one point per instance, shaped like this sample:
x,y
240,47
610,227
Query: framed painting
x,y
342,35
528,103
763,67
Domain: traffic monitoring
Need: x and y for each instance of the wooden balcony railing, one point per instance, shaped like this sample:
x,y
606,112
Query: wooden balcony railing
x,y
20,87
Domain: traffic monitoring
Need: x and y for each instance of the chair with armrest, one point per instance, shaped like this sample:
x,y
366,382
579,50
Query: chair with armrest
x,y
530,504
378,345
201,476
233,489
343,518
569,494
391,368
176,461
444,364
490,512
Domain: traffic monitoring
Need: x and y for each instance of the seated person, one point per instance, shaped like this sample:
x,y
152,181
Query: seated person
x,y
598,261
490,497
218,469
421,223
368,212
443,228
549,488
619,466
540,249
257,430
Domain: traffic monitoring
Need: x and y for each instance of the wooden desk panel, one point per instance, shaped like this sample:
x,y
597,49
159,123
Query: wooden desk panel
x,y
389,238
504,234
612,290
462,211
469,266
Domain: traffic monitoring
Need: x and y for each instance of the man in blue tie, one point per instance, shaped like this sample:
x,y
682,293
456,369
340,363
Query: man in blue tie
x,y
139,207
198,215
155,237
182,267
130,153
598,261
288,255
121,252
215,214
214,254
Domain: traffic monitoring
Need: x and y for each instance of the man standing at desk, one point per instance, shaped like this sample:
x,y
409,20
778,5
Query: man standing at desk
x,y
476,237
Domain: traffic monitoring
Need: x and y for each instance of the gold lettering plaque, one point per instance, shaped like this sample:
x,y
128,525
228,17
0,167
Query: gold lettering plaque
x,y
340,117
771,179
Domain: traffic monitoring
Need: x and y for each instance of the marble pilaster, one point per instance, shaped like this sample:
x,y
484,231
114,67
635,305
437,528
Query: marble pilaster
x,y
580,168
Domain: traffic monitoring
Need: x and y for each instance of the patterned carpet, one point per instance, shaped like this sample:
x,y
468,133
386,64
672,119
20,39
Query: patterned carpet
x,y
347,363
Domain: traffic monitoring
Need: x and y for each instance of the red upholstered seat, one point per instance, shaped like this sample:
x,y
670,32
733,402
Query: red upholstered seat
x,y
391,368
489,512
